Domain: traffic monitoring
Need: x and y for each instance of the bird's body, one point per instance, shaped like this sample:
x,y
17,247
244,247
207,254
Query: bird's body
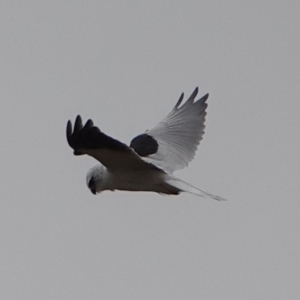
x,y
148,163
100,179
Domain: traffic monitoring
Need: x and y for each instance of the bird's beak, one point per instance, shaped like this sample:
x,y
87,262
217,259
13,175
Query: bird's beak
x,y
92,186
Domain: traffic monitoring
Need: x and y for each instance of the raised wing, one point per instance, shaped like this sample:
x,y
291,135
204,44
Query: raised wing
x,y
173,142
88,139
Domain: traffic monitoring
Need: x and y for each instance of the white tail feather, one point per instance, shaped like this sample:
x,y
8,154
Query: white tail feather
x,y
186,187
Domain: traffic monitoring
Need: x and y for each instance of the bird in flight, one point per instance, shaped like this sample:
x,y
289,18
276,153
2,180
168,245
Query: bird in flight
x,y
148,163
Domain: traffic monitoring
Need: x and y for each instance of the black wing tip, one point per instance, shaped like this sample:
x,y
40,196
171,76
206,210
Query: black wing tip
x,y
69,126
179,101
191,99
89,124
195,92
204,98
78,123
89,137
69,132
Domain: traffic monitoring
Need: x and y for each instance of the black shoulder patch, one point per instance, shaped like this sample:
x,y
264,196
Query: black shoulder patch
x,y
144,145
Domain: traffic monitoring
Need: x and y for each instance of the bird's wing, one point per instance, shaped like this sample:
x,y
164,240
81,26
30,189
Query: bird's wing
x,y
172,143
89,139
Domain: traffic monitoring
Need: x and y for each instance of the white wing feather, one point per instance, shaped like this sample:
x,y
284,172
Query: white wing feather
x,y
179,134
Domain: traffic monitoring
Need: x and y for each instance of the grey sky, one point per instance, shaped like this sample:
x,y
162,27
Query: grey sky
x,y
124,64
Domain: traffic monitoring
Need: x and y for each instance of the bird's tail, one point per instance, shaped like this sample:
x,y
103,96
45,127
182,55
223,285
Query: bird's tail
x,y
186,187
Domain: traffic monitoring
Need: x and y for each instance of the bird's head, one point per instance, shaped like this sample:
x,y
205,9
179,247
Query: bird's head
x,y
96,179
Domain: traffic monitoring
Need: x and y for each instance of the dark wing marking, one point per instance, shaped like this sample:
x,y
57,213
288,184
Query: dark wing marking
x,y
177,135
89,139
144,144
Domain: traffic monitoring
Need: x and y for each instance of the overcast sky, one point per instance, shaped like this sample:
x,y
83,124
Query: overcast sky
x,y
124,64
